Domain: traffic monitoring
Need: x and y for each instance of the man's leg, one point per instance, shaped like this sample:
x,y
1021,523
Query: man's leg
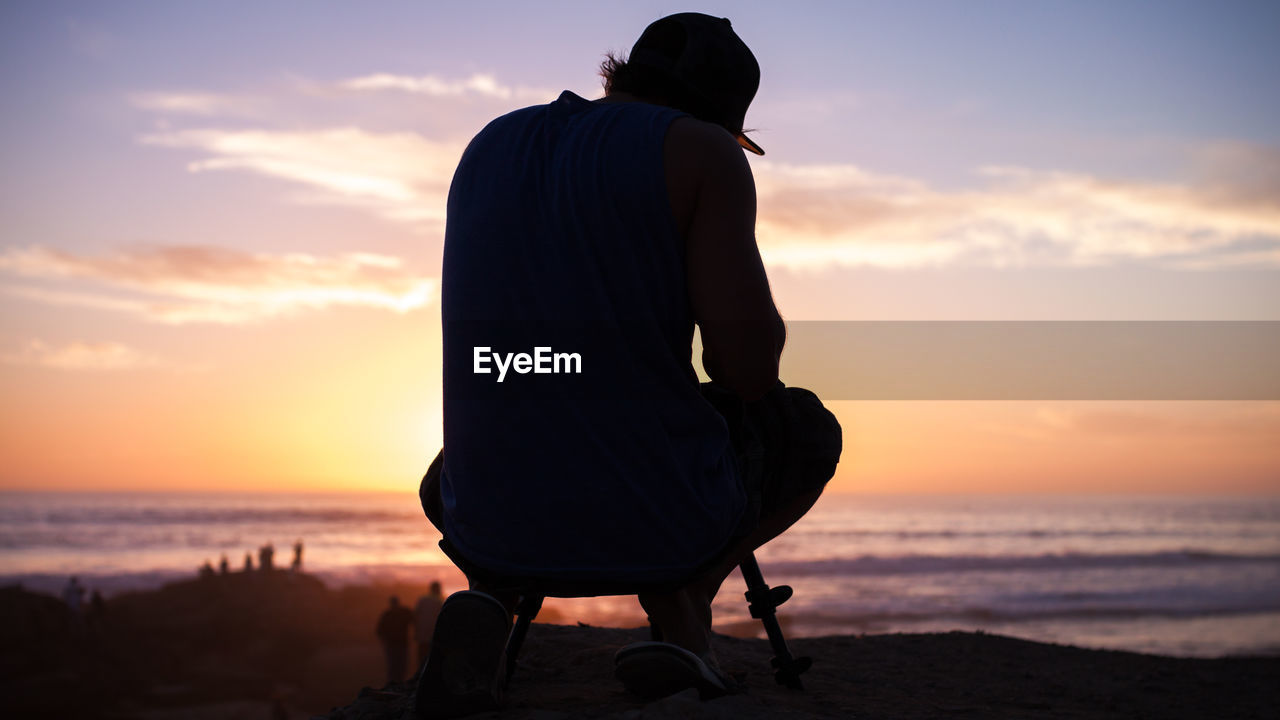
x,y
397,661
788,446
429,496
463,673
769,528
684,616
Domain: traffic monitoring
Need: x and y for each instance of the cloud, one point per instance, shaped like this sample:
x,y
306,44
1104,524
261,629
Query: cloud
x,y
816,216
400,176
80,356
1196,420
810,216
196,284
198,103
479,84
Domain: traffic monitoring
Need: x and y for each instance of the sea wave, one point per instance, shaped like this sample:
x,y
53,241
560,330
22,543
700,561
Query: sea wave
x,y
199,516
863,534
913,564
979,616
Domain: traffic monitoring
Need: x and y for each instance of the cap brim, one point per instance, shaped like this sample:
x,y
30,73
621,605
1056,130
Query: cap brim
x,y
747,144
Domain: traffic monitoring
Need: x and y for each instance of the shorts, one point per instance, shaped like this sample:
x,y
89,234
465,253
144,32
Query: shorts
x,y
786,445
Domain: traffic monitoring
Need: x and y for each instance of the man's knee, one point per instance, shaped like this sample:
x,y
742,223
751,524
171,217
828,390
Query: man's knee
x,y
815,439
429,492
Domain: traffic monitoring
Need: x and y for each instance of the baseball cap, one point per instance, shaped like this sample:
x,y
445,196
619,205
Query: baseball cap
x,y
709,62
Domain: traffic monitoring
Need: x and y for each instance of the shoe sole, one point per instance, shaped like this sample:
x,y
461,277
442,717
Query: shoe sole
x,y
655,670
464,672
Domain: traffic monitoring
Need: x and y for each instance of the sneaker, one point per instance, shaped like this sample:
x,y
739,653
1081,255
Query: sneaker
x,y
464,672
655,670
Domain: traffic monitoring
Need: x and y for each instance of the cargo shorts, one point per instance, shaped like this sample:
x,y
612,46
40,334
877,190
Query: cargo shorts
x,y
786,445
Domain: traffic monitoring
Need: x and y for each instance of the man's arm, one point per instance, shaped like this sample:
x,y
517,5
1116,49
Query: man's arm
x,y
713,197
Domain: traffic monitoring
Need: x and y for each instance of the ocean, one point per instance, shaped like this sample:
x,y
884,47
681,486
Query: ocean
x,y
1186,576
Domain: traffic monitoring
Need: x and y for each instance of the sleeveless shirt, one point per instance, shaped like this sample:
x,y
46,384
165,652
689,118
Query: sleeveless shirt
x,y
560,236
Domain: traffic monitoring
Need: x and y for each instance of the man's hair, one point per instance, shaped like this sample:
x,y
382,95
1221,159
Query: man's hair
x,y
647,82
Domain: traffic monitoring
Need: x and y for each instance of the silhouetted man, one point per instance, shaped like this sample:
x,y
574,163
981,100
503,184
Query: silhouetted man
x,y
584,241
424,619
97,613
393,631
73,596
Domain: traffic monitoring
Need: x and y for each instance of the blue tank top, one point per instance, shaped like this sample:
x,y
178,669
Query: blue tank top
x,y
560,236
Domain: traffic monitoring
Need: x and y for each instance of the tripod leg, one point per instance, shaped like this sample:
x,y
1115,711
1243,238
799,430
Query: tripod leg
x,y
763,603
526,611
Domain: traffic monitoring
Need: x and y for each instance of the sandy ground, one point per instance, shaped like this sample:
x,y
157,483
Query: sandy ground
x,y
566,672
266,647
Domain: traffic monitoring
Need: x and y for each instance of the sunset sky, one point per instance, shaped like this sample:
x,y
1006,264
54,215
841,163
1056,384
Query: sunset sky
x,y
222,223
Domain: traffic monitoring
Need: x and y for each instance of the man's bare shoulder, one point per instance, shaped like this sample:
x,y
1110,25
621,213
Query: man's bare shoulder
x,y
697,145
705,166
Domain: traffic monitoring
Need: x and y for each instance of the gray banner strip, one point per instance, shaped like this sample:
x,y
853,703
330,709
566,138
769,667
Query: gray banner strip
x,y
1041,360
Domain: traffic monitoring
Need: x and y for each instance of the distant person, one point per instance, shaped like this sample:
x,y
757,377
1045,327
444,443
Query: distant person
x,y
73,597
393,631
296,565
265,555
97,613
248,562
424,619
224,565
603,232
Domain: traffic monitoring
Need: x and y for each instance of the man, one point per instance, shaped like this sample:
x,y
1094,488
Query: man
x,y
424,619
73,597
393,631
584,241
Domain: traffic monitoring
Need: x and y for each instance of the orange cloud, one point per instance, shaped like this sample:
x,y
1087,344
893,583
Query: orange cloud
x,y
1256,420
194,284
80,356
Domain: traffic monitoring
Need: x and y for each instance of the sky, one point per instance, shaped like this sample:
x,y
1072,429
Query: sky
x,y
221,224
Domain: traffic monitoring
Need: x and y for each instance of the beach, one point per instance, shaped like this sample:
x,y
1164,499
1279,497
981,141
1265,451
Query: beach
x,y
995,606
264,261
283,645
566,672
